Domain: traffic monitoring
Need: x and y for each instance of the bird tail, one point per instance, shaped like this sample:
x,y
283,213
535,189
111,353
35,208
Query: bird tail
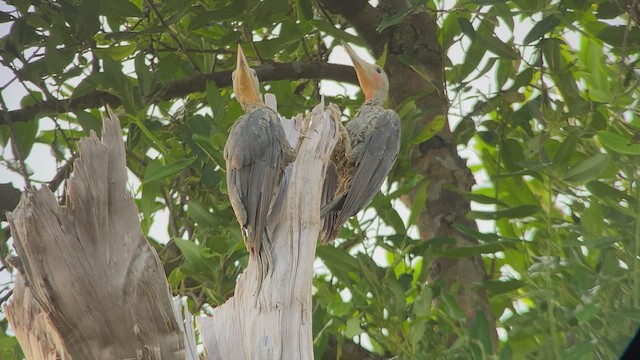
x,y
328,203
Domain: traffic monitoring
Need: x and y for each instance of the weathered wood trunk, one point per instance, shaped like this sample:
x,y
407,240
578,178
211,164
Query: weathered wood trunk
x,y
37,337
273,320
90,269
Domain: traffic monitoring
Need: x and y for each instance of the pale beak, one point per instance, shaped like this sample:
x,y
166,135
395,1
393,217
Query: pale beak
x,y
365,71
245,87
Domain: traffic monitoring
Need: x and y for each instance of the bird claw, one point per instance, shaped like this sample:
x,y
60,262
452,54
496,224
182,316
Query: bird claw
x,y
346,140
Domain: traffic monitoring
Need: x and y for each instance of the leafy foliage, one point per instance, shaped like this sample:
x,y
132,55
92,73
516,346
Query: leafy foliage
x,y
546,95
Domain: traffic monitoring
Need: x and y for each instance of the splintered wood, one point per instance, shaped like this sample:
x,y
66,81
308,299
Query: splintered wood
x,y
272,319
89,267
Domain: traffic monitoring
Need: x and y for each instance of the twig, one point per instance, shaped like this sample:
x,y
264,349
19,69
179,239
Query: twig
x,y
62,174
173,35
623,52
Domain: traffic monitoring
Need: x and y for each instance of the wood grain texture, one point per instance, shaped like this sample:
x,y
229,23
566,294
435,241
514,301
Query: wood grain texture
x,y
273,321
88,265
37,337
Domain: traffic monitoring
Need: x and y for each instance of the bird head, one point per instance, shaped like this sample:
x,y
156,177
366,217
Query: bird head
x,y
373,80
245,83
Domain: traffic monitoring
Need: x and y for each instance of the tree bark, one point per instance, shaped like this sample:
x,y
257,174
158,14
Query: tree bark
x,y
90,268
273,320
437,159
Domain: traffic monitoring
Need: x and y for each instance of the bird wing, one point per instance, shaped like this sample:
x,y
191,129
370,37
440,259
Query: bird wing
x,y
255,163
379,150
327,201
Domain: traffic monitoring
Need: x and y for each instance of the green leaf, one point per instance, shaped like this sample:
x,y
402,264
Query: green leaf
x,y
486,237
609,10
422,304
25,135
204,143
196,258
393,20
167,170
496,287
578,351
541,28
615,36
150,189
370,271
417,206
551,51
588,169
89,122
353,328
337,33
6,17
605,191
116,52
233,10
146,79
337,260
430,130
480,331
168,67
201,214
515,212
88,84
567,148
472,59
466,251
217,102
467,28
498,47
453,309
522,79
122,8
586,312
503,72
629,313
618,143
57,59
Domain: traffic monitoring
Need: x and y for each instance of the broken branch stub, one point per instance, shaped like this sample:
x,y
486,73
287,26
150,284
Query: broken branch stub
x,y
88,264
271,319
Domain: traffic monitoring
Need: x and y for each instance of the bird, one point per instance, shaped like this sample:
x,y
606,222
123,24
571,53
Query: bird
x,y
360,162
256,154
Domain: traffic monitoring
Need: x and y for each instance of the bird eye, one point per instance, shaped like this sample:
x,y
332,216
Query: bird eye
x,y
378,70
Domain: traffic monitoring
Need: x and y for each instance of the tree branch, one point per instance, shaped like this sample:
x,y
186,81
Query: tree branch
x,y
183,87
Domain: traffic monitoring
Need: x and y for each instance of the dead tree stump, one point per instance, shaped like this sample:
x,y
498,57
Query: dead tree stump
x,y
89,266
273,320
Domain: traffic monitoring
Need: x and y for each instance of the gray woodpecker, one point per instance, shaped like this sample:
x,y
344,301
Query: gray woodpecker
x,y
362,160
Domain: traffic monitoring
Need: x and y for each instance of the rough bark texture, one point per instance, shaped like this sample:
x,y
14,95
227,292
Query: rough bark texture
x,y
88,265
436,159
273,320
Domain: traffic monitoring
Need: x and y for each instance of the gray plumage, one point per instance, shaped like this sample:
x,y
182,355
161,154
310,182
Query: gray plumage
x,y
256,153
361,162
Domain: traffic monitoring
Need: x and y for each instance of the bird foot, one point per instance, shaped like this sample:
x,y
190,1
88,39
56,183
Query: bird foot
x,y
346,140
